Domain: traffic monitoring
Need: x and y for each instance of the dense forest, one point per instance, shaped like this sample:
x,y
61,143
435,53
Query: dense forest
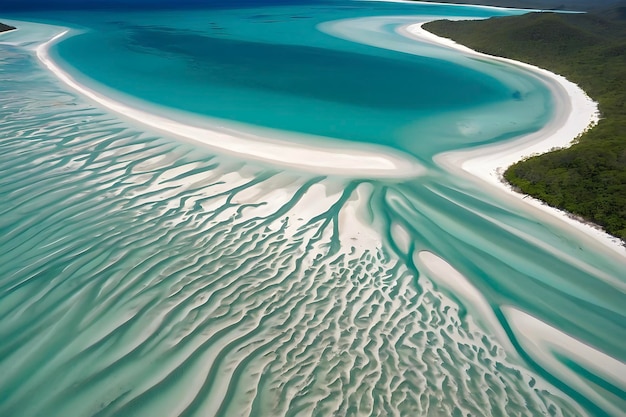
x,y
589,178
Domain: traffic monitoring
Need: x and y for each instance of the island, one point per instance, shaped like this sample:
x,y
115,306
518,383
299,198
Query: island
x,y
6,28
587,179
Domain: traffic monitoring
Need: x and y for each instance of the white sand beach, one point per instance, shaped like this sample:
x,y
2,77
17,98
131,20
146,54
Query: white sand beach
x,y
372,161
575,113
537,338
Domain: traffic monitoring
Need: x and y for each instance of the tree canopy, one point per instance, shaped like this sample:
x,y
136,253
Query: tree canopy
x,y
587,179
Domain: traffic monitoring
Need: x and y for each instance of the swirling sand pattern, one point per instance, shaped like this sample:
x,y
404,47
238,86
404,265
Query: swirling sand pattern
x,y
142,276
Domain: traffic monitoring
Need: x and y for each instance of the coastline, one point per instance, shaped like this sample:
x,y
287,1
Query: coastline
x,y
146,183
375,162
6,28
575,113
485,6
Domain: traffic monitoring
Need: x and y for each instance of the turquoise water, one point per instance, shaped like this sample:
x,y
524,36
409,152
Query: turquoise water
x,y
226,64
140,275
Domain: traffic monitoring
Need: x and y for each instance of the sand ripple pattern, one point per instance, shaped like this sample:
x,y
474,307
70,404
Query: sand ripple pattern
x,y
141,276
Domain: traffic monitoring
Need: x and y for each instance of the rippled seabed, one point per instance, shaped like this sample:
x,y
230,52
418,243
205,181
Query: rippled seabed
x,y
143,276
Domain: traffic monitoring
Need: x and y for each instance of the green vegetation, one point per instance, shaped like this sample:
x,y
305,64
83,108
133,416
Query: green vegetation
x,y
579,5
589,178
5,28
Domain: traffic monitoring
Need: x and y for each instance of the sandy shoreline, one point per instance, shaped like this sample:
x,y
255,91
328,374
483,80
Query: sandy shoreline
x,y
576,113
374,161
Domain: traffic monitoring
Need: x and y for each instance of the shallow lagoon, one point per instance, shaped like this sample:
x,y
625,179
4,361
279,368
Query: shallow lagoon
x,y
227,64
142,275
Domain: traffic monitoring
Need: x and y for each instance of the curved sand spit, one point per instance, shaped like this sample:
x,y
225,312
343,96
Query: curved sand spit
x,y
575,113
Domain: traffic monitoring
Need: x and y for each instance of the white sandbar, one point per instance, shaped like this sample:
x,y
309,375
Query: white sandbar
x,y
371,161
444,274
575,113
546,344
435,3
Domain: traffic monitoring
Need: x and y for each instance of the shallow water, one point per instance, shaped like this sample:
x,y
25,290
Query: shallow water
x,y
140,275
290,68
